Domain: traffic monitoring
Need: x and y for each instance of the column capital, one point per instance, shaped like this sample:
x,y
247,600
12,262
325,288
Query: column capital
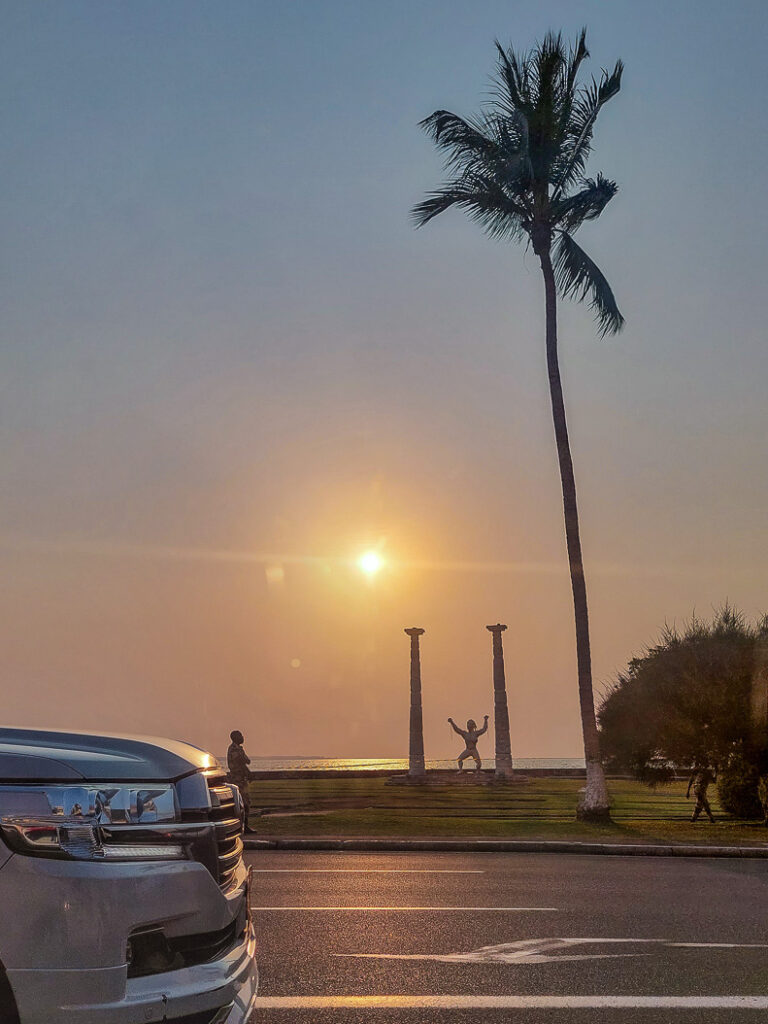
x,y
498,628
417,631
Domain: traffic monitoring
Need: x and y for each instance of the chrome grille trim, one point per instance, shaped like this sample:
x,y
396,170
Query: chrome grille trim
x,y
227,826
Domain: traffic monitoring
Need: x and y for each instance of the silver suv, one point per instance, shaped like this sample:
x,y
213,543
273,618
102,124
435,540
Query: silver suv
x,y
124,893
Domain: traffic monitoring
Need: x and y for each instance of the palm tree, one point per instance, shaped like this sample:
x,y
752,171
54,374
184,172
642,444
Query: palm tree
x,y
518,169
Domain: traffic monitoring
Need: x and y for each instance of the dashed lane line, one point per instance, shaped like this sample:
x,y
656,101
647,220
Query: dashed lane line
x,y
366,871
462,909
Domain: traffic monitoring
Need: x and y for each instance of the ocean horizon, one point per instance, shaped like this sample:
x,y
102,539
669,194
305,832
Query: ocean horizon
x,y
283,764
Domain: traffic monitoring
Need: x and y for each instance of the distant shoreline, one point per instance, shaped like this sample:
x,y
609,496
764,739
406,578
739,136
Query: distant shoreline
x,y
338,767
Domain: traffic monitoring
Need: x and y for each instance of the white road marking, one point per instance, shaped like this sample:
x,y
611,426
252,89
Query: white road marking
x,y
364,871
505,910
559,1002
524,951
718,945
539,951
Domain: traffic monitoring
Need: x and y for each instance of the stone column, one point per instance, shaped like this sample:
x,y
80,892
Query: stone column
x,y
416,746
501,713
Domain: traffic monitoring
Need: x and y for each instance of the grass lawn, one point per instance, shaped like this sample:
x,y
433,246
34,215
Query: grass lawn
x,y
538,809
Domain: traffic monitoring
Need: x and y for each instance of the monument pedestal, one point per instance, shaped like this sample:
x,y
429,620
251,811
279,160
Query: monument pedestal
x,y
454,777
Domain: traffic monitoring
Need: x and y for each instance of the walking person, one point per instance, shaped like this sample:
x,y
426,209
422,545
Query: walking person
x,y
470,736
701,779
240,773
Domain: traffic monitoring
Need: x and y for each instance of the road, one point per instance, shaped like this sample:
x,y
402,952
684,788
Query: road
x,y
492,938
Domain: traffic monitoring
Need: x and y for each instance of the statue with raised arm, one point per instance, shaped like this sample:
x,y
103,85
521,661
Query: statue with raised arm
x,y
470,736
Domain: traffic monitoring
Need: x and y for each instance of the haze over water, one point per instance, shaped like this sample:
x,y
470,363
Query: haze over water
x,y
271,764
229,366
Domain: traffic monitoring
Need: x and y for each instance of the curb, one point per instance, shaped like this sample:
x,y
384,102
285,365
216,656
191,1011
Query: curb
x,y
505,846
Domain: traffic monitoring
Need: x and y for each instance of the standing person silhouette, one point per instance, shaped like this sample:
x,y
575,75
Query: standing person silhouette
x,y
470,737
240,773
701,779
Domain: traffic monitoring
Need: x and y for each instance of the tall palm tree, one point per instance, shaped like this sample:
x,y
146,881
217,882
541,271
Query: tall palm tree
x,y
518,169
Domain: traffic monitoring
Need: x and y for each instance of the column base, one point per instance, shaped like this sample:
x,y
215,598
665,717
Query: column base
x,y
454,777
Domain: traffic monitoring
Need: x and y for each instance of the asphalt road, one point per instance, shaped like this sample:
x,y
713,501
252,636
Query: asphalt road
x,y
491,938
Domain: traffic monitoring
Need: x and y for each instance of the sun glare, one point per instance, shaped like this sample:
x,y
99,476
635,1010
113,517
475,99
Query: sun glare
x,y
370,562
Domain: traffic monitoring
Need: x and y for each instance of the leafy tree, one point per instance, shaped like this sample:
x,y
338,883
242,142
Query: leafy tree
x,y
697,696
518,169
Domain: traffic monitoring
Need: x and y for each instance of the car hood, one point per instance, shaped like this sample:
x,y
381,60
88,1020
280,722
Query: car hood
x,y
50,756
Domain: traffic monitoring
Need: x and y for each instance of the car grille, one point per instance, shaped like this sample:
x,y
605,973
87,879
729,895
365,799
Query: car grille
x,y
228,827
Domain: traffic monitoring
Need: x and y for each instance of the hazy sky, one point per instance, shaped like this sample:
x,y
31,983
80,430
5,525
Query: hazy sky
x,y
222,340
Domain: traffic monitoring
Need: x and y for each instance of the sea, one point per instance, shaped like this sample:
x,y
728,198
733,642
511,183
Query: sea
x,y
282,764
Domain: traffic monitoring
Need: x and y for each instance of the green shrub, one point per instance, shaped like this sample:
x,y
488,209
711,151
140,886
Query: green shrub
x,y
737,787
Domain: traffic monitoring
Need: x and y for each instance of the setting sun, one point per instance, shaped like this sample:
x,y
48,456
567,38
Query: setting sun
x,y
370,562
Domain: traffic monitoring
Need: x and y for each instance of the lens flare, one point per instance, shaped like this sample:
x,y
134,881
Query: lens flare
x,y
370,562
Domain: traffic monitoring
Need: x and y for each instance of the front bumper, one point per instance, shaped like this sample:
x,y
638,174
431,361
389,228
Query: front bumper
x,y
64,936
228,985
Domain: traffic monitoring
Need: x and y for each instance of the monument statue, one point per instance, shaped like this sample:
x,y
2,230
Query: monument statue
x,y
470,736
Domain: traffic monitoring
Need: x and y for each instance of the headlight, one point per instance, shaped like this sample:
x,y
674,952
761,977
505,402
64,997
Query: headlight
x,y
112,822
77,839
108,804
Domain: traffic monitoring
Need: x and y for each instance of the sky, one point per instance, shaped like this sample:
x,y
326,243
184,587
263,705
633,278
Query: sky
x,y
229,365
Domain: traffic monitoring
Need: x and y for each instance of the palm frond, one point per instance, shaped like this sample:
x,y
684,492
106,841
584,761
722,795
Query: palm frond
x,y
587,104
459,136
550,58
587,204
513,164
578,276
548,65
514,79
489,146
483,200
591,98
576,57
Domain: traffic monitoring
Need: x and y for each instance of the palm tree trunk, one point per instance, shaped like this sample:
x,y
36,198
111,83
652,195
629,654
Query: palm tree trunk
x,y
593,805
